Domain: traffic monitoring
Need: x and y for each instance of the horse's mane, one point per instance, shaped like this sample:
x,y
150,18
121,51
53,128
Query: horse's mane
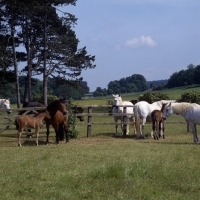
x,y
55,103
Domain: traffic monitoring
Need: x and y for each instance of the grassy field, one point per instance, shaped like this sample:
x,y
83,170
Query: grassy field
x,y
102,166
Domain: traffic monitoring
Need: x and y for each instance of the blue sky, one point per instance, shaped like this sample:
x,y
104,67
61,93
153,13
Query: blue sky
x,y
154,38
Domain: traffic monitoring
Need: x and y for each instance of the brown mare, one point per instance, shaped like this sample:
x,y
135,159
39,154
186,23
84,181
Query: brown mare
x,y
158,122
35,122
58,120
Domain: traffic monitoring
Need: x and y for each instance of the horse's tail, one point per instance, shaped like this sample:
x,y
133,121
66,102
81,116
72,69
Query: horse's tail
x,y
137,119
61,132
16,124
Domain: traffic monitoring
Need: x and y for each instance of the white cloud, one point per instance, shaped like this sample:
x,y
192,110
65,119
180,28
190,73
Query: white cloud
x,y
141,41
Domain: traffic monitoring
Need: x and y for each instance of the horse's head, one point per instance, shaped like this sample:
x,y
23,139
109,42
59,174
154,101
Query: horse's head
x,y
6,105
47,114
117,100
61,106
167,110
79,110
56,105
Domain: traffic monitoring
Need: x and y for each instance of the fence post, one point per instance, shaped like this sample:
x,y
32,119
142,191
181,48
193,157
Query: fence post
x,y
125,122
89,126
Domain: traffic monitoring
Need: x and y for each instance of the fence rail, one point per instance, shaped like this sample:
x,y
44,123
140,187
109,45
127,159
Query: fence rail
x,y
90,114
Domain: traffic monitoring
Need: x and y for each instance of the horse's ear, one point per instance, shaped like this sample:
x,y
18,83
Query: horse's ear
x,y
119,95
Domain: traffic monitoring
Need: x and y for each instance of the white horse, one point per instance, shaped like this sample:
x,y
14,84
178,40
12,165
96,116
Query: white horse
x,y
190,111
5,105
143,110
117,109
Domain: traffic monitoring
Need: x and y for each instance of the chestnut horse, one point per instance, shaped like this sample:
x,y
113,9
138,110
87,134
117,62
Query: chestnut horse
x,y
35,122
58,120
158,122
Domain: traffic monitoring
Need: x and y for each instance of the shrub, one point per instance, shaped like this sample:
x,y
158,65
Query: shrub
x,y
151,97
190,97
39,98
72,120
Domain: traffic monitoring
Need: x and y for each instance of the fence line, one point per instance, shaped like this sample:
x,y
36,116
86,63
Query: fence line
x,y
89,115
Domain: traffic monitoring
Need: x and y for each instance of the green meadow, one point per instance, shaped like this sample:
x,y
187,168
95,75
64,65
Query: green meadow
x,y
103,166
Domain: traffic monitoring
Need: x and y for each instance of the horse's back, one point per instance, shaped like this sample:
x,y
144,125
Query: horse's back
x,y
32,104
143,108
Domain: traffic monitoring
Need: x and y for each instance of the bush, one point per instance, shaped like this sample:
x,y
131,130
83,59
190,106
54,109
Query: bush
x,y
39,98
72,120
190,97
151,97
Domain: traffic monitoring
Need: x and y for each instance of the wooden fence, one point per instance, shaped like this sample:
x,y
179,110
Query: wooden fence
x,y
90,114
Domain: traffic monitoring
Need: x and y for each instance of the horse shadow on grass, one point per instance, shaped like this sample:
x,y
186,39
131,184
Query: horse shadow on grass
x,y
119,136
168,142
32,142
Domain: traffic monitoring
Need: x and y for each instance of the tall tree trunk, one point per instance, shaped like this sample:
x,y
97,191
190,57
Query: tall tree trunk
x,y
15,63
16,73
45,76
27,95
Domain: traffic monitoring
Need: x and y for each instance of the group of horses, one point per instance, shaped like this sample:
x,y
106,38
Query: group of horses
x,y
55,115
156,113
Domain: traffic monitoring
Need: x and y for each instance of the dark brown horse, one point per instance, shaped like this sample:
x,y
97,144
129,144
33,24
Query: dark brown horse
x,y
158,122
58,120
78,110
31,105
35,122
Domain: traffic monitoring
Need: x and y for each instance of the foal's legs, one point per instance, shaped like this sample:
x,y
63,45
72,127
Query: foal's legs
x,y
153,128
157,130
37,135
19,136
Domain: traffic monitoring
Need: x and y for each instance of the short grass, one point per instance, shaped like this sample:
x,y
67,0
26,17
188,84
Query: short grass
x,y
102,166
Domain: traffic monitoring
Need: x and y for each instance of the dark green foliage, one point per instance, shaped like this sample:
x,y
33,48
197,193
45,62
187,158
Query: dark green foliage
x,y
39,98
185,77
190,97
134,83
72,120
151,97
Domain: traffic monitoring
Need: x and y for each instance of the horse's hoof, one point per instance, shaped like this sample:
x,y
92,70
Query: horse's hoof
x,y
57,143
19,145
